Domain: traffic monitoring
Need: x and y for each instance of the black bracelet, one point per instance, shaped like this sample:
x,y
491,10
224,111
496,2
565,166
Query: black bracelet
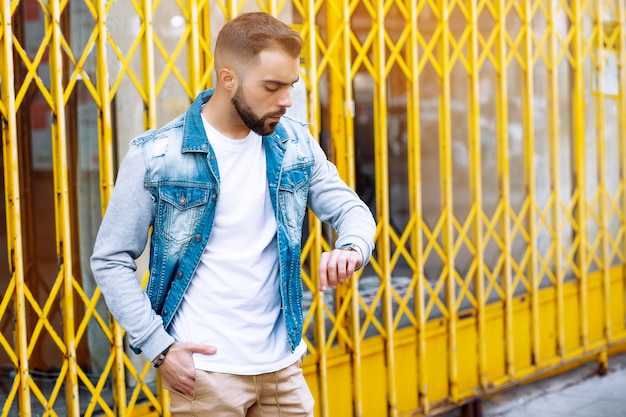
x,y
161,357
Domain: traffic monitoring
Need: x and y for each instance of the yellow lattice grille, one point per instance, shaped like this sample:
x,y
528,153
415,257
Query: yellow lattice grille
x,y
485,135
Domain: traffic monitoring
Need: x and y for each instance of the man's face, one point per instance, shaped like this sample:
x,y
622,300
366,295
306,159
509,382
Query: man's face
x,y
264,95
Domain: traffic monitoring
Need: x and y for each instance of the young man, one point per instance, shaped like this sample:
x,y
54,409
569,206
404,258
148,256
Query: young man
x,y
224,188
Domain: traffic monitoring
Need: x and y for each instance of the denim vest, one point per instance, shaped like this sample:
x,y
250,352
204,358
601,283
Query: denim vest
x,y
182,177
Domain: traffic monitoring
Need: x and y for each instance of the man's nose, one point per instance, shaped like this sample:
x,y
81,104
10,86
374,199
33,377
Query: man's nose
x,y
285,98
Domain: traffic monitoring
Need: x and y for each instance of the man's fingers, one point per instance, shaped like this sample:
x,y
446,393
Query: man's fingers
x,y
331,269
178,368
190,348
342,265
328,270
323,282
201,348
336,267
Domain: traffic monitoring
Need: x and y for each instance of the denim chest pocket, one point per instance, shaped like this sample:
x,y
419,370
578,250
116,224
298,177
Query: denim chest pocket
x,y
179,210
293,191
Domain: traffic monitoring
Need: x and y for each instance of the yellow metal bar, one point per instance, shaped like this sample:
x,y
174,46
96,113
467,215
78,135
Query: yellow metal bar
x,y
601,174
232,10
603,362
320,322
348,99
13,206
206,60
504,180
62,210
193,48
382,197
338,88
621,106
312,72
555,177
271,7
579,162
445,149
148,67
105,129
414,156
531,178
340,91
473,116
602,168
320,307
357,364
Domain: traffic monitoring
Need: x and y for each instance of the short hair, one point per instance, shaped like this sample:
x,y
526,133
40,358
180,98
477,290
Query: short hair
x,y
244,37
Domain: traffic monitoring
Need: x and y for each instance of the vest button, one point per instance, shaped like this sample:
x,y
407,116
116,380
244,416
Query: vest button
x,y
179,275
164,313
198,237
182,201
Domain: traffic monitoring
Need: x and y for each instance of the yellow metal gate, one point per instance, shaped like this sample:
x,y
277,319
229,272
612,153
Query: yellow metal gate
x,y
487,136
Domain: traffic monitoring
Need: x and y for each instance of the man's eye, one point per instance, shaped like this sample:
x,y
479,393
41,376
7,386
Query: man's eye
x,y
271,89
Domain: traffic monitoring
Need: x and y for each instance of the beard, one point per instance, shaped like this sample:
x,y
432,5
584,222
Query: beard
x,y
258,125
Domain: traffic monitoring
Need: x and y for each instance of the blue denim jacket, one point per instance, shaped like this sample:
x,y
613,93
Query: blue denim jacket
x,y
169,181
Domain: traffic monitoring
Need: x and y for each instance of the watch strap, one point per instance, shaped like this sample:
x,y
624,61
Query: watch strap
x,y
161,357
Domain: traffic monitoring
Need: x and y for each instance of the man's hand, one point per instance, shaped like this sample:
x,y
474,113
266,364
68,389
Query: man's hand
x,y
338,266
178,369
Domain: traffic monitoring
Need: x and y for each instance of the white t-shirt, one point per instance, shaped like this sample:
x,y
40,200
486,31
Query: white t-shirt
x,y
233,300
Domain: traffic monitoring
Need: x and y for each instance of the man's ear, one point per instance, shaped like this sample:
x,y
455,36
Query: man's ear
x,y
226,77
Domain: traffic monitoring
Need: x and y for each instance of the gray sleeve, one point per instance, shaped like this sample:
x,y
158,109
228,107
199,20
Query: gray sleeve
x,y
121,239
335,203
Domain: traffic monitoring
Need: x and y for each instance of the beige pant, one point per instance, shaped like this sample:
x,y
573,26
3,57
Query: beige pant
x,y
277,394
